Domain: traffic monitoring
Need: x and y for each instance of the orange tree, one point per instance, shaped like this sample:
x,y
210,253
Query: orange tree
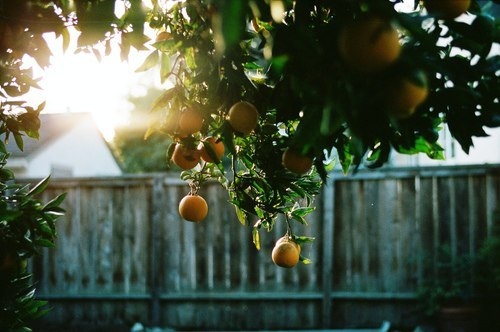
x,y
346,80
350,81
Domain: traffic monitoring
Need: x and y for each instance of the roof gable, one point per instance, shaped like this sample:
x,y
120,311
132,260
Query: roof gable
x,y
52,126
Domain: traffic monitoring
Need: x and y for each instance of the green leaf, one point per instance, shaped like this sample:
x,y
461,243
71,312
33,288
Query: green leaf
x,y
305,260
303,239
66,39
233,22
379,155
6,174
45,229
55,202
421,145
163,100
40,187
165,67
150,61
19,140
227,134
302,211
55,212
240,214
256,237
44,243
297,189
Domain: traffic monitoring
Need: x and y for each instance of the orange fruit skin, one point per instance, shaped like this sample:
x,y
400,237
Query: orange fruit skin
x,y
369,45
285,253
404,98
217,147
190,122
193,208
184,157
162,36
243,117
288,238
295,162
447,9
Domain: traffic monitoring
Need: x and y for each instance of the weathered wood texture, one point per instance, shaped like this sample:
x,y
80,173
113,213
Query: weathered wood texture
x,y
124,255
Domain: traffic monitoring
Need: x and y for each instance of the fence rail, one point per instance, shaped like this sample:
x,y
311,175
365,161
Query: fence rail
x,y
124,255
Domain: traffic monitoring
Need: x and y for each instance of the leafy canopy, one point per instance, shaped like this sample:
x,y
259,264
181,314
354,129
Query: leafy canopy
x,y
283,57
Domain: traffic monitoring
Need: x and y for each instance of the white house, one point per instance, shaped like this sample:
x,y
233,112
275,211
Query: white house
x,y
70,145
486,150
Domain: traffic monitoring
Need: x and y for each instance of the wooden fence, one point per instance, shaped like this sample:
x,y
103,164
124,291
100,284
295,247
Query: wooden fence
x,y
124,255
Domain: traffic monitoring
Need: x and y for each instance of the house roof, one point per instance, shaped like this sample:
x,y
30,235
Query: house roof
x,y
52,126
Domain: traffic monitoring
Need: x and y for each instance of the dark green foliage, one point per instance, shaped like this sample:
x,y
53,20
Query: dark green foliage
x,y
26,225
463,278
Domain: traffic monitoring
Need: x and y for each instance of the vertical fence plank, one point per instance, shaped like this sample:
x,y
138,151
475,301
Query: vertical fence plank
x,y
227,254
328,228
171,251
209,238
472,218
491,201
453,217
155,253
435,220
418,231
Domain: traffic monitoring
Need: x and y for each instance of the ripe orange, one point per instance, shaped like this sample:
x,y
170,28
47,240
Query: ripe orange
x,y
286,253
295,162
193,207
289,239
162,36
446,9
243,117
404,95
369,44
190,122
184,157
217,148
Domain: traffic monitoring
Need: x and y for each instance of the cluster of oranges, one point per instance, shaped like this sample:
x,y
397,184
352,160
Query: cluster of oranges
x,y
242,117
194,207
370,44
187,156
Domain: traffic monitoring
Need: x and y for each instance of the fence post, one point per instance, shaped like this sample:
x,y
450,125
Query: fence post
x,y
157,189
328,213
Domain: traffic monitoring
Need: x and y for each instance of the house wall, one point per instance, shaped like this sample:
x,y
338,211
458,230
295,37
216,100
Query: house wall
x,y
81,152
486,150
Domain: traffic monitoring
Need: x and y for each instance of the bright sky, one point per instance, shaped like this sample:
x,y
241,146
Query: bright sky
x,y
80,83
